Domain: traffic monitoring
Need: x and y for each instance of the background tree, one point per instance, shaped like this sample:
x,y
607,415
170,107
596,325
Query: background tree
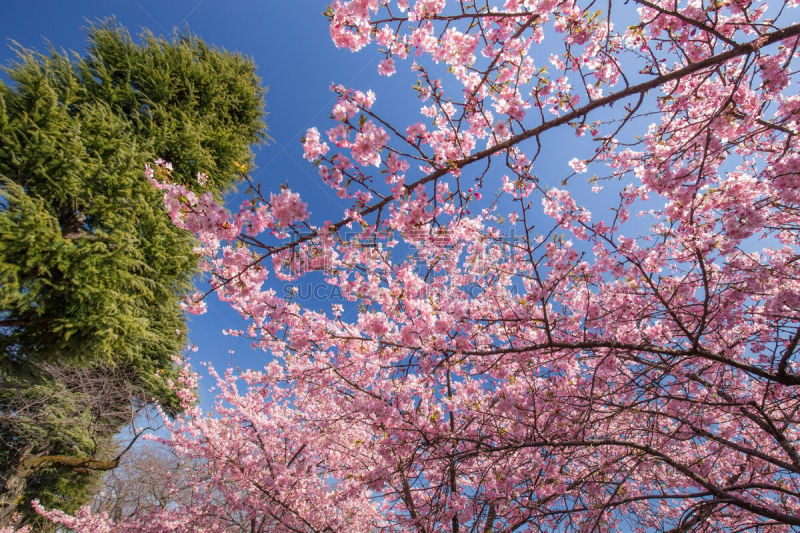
x,y
91,268
77,412
629,367
144,480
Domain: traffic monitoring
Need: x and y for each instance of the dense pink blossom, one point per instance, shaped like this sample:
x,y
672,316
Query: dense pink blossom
x,y
386,67
312,147
518,345
287,208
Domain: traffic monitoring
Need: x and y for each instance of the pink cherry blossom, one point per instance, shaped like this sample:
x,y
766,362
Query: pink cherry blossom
x,y
577,165
386,67
518,347
287,208
312,147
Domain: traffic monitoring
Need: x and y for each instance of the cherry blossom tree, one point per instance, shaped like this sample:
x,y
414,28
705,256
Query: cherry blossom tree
x,y
520,348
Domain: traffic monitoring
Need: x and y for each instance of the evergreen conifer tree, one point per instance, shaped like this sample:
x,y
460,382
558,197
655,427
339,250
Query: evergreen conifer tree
x,y
91,268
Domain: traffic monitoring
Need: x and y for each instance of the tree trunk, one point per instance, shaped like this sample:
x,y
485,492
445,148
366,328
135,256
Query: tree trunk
x,y
15,485
14,488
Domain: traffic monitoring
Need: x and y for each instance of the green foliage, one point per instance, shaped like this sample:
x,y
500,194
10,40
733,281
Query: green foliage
x,y
57,488
49,413
91,268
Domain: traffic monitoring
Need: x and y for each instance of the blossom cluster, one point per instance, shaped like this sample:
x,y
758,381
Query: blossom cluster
x,y
628,359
